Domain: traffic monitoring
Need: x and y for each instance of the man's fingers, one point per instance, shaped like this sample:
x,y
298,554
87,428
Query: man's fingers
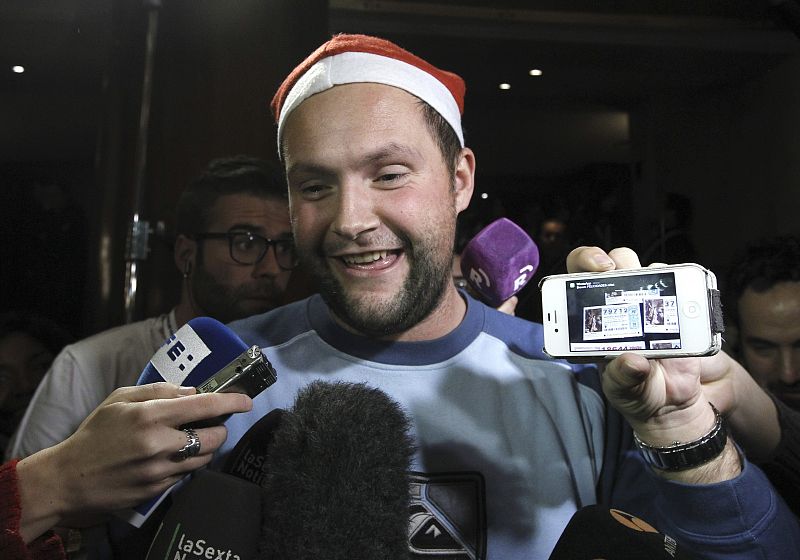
x,y
594,259
625,372
589,259
509,306
624,257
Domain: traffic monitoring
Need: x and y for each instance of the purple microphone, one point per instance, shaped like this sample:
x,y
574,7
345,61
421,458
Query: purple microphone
x,y
499,261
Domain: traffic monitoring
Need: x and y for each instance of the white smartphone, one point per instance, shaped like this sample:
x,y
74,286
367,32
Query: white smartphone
x,y
658,312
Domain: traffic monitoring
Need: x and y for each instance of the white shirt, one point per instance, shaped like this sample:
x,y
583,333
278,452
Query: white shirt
x,y
82,376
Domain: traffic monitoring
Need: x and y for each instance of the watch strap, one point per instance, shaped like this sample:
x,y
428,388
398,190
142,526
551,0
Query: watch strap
x,y
682,456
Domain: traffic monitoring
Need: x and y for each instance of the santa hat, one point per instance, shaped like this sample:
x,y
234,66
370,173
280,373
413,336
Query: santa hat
x,y
348,59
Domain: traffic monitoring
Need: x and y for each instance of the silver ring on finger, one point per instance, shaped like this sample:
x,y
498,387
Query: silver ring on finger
x,y
192,446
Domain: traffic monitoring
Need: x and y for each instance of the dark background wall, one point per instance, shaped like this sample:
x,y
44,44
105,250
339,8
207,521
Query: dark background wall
x,y
646,116
215,66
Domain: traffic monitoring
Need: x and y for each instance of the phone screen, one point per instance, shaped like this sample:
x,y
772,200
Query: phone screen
x,y
624,313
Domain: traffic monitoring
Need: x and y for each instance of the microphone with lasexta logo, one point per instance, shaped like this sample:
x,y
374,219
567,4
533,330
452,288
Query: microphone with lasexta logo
x,y
499,261
205,354
220,512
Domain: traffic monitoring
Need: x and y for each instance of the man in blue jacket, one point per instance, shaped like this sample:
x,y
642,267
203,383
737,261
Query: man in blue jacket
x,y
510,444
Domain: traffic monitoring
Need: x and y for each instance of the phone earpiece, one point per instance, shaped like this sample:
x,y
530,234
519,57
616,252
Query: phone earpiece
x,y
187,269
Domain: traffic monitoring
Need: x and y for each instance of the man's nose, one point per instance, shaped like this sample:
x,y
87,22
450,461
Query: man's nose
x,y
790,365
268,265
355,213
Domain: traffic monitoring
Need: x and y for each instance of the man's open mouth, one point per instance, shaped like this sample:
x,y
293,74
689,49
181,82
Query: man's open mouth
x,y
368,258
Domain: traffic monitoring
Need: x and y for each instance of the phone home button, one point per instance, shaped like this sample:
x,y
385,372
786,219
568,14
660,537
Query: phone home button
x,y
691,309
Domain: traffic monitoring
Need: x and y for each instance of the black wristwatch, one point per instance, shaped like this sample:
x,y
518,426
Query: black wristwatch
x,y
681,456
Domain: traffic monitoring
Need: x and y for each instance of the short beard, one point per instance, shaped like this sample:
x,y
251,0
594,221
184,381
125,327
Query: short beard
x,y
212,298
420,294
217,300
789,394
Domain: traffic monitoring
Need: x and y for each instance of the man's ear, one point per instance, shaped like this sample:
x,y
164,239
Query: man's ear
x,y
464,178
185,253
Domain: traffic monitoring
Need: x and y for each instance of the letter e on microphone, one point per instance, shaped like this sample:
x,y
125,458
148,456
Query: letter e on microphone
x,y
180,355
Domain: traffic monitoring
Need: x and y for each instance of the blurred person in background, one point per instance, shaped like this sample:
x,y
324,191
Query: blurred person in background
x,y
28,344
235,252
554,242
763,303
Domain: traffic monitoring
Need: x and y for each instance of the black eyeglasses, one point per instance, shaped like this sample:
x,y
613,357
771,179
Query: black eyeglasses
x,y
249,248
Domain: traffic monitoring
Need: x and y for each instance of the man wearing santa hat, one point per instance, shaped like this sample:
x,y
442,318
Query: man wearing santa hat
x,y
510,444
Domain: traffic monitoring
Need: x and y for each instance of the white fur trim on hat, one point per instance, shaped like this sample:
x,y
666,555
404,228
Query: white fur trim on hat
x,y
359,67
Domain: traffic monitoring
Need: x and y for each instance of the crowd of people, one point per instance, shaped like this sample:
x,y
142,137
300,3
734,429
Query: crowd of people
x,y
509,443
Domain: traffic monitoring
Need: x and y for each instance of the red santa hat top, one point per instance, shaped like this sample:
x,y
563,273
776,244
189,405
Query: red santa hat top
x,y
347,59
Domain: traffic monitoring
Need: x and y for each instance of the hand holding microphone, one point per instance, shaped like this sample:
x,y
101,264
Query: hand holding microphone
x,y
122,454
205,354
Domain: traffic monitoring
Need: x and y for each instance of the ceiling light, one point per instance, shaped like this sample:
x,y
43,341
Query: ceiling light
x,y
18,69
505,86
535,72
484,196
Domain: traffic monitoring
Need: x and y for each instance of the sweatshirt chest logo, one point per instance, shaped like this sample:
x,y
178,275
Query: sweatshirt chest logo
x,y
447,516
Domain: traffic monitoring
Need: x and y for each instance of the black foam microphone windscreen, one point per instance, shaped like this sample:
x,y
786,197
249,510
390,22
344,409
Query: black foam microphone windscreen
x,y
337,482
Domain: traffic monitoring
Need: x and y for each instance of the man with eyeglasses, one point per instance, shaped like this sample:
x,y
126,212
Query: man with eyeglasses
x,y
234,249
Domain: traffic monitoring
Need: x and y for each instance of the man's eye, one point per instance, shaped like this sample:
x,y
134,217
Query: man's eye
x,y
244,243
283,247
762,348
389,178
313,192
6,377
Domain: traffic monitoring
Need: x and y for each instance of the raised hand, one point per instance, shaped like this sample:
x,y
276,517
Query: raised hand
x,y
663,400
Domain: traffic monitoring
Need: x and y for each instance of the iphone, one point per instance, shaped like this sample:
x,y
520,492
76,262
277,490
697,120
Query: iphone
x,y
659,312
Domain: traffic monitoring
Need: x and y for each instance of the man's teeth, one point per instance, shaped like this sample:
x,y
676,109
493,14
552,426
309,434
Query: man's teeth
x,y
365,258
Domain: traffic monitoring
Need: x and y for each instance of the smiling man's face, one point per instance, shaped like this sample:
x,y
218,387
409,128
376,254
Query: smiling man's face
x,y
373,205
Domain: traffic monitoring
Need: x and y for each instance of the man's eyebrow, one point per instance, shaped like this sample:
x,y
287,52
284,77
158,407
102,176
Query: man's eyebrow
x,y
381,153
758,340
390,150
310,169
239,226
253,228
